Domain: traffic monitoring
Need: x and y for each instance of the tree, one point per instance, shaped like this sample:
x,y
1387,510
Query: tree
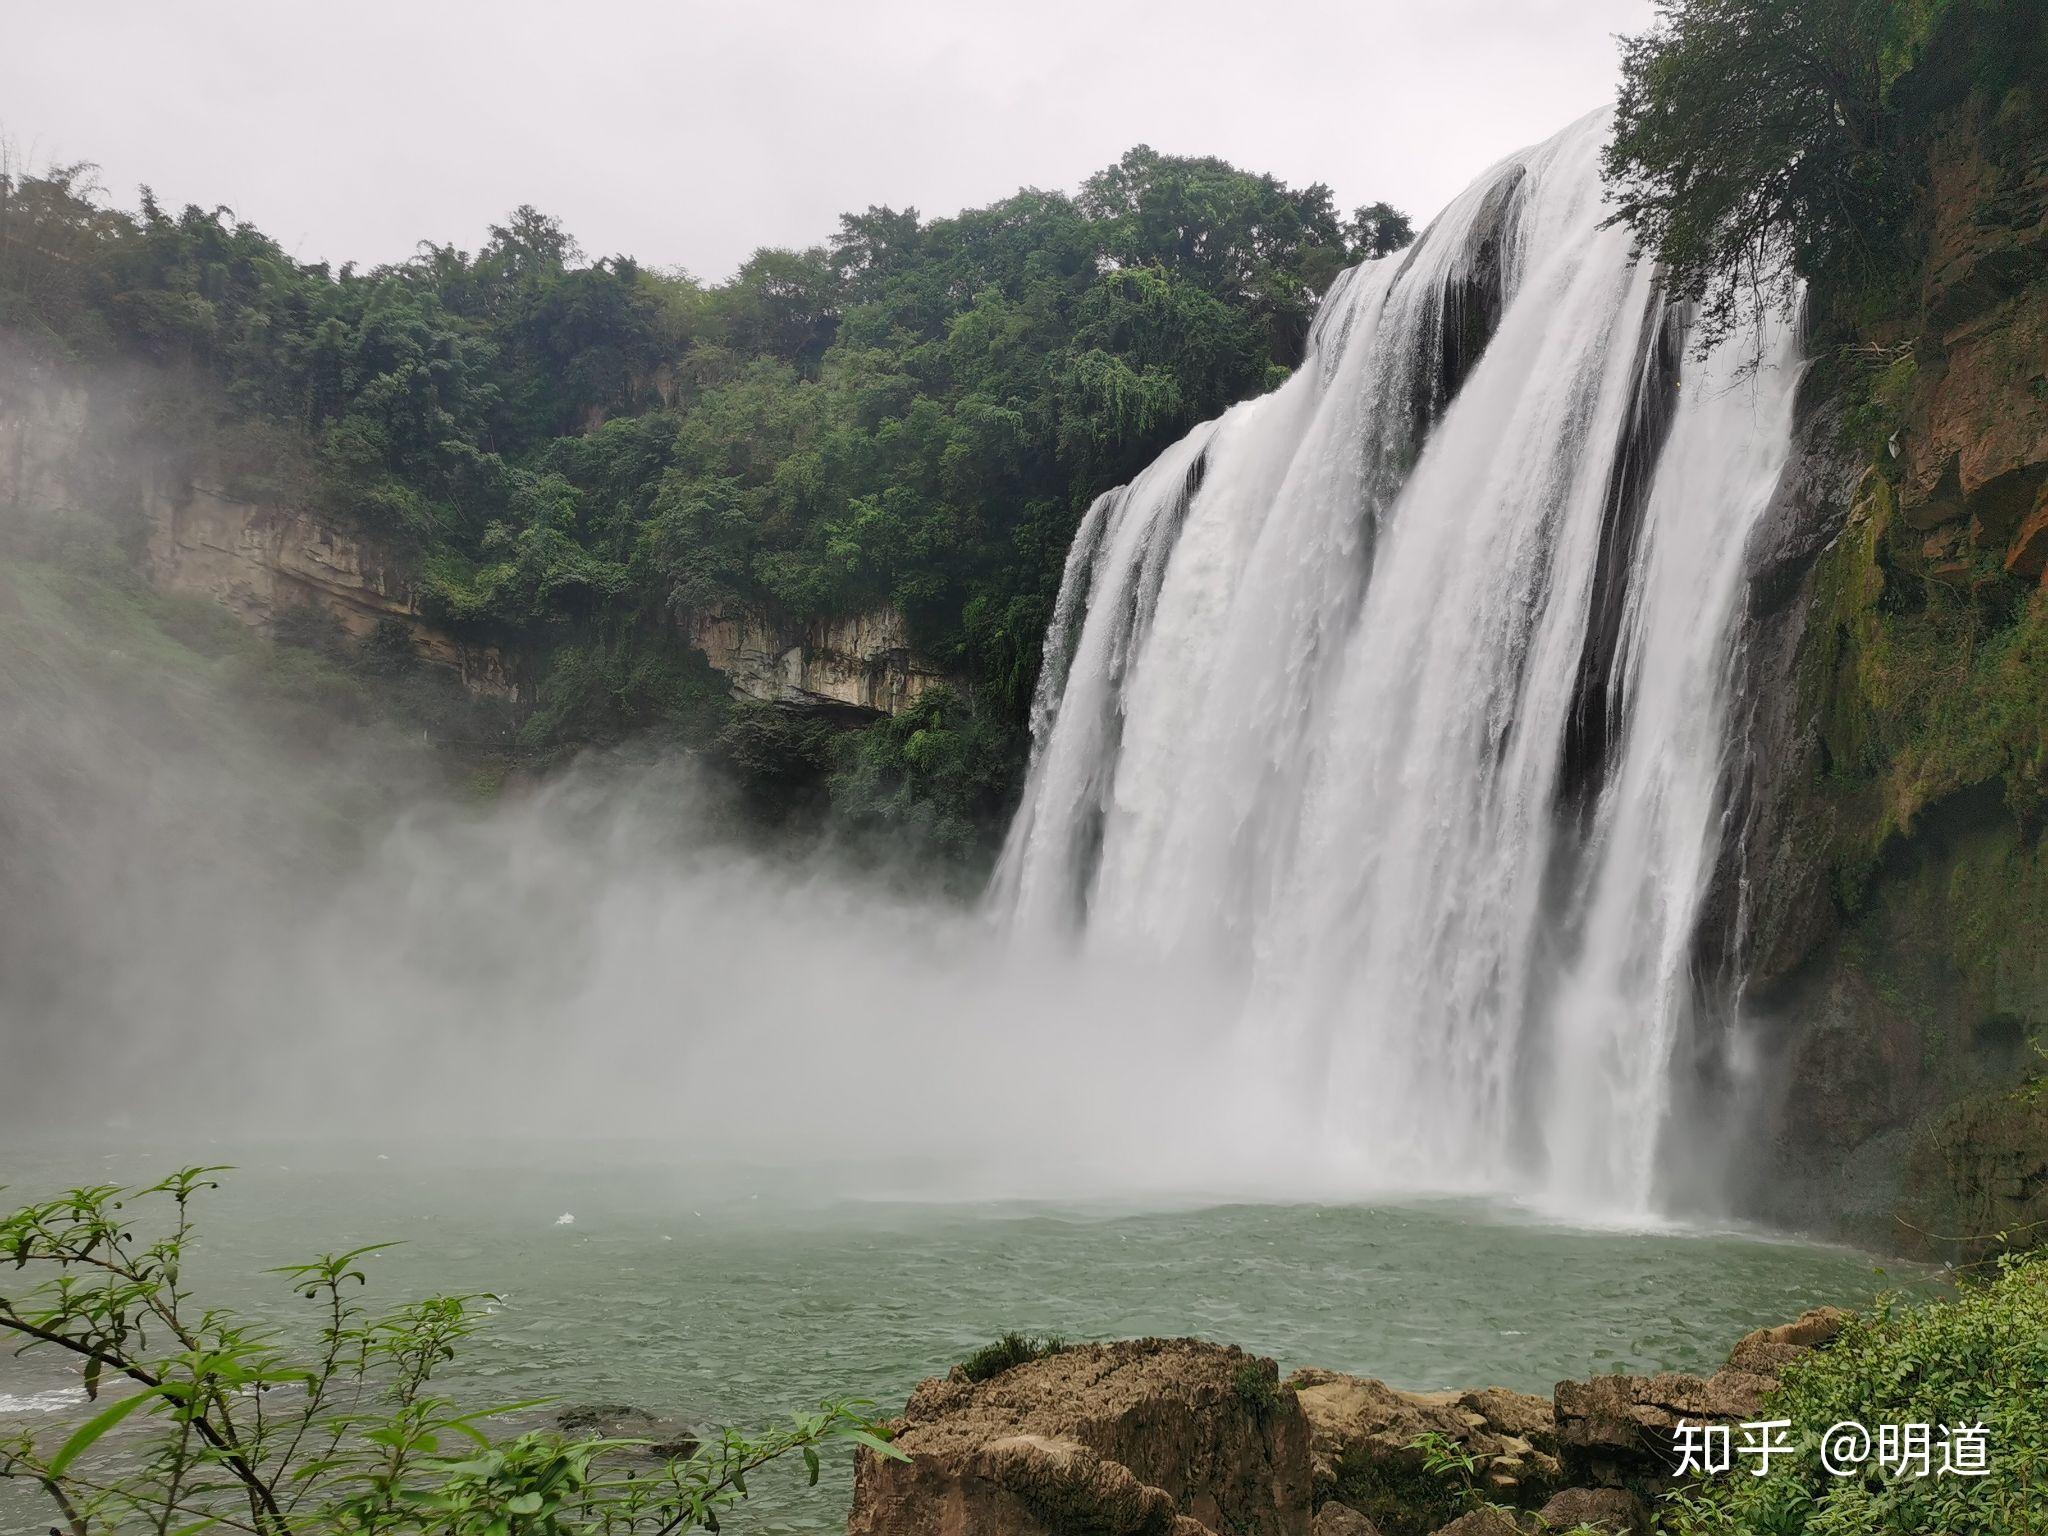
x,y
1754,145
1379,229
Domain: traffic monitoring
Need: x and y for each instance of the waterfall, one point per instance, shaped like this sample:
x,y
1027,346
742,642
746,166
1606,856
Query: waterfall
x,y
1401,692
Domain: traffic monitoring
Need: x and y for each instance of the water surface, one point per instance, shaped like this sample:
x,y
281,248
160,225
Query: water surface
x,y
725,1294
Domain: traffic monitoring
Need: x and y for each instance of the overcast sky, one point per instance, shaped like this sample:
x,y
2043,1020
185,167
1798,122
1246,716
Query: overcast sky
x,y
685,132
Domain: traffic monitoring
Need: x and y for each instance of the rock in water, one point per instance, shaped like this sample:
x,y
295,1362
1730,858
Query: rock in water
x,y
1155,1437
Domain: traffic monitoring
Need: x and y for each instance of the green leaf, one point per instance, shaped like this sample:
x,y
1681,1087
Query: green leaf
x,y
92,1429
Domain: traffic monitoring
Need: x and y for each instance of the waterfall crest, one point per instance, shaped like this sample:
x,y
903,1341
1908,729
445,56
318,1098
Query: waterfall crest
x,y
1401,691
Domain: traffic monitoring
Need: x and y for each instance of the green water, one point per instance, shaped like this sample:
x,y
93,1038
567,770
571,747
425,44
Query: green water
x,y
729,1295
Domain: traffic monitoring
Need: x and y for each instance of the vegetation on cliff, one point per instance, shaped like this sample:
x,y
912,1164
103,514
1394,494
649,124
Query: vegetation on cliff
x,y
1757,144
577,452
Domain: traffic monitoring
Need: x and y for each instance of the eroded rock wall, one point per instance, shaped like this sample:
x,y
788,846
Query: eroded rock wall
x,y
1888,900
863,663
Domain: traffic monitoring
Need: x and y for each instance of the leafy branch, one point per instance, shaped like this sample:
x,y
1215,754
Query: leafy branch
x,y
200,1420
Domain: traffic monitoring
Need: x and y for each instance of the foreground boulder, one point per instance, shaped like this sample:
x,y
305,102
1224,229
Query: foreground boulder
x,y
1154,1437
1365,1454
1623,1429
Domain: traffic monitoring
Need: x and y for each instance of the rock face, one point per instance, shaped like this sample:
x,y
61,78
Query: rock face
x,y
1149,1438
1881,898
862,664
261,563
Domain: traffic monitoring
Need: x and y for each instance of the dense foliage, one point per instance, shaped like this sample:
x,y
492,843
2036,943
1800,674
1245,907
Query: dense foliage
x,y
199,1419
1979,1359
1757,142
576,452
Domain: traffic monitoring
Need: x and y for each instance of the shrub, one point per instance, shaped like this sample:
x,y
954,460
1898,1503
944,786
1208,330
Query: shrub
x,y
1980,1358
329,1429
1012,1349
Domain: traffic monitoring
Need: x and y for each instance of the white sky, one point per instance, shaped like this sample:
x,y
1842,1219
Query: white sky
x,y
686,132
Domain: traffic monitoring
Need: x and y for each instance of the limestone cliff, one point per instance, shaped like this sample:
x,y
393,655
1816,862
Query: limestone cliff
x,y
860,664
266,558
1889,895
262,562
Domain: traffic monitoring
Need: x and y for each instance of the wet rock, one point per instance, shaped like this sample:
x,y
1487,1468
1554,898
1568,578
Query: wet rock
x,y
1977,1170
666,1438
1155,1437
1605,1509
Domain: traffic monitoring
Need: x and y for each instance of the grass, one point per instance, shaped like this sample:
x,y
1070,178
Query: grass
x,y
1008,1352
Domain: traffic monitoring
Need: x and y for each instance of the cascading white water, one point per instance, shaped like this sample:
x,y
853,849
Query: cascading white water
x,y
1403,688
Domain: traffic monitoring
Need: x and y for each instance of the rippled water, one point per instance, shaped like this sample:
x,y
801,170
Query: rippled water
x,y
722,1294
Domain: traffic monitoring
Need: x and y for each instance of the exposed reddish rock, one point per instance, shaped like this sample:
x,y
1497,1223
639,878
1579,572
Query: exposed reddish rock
x,y
2027,556
1977,442
1154,1437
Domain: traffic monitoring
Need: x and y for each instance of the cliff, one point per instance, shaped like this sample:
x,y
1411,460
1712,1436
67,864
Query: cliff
x,y
263,562
862,664
1888,897
68,448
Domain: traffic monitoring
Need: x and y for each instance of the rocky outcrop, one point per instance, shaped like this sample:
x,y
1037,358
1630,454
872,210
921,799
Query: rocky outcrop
x,y
1178,1437
264,563
1367,1444
862,664
1615,1431
1155,1437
